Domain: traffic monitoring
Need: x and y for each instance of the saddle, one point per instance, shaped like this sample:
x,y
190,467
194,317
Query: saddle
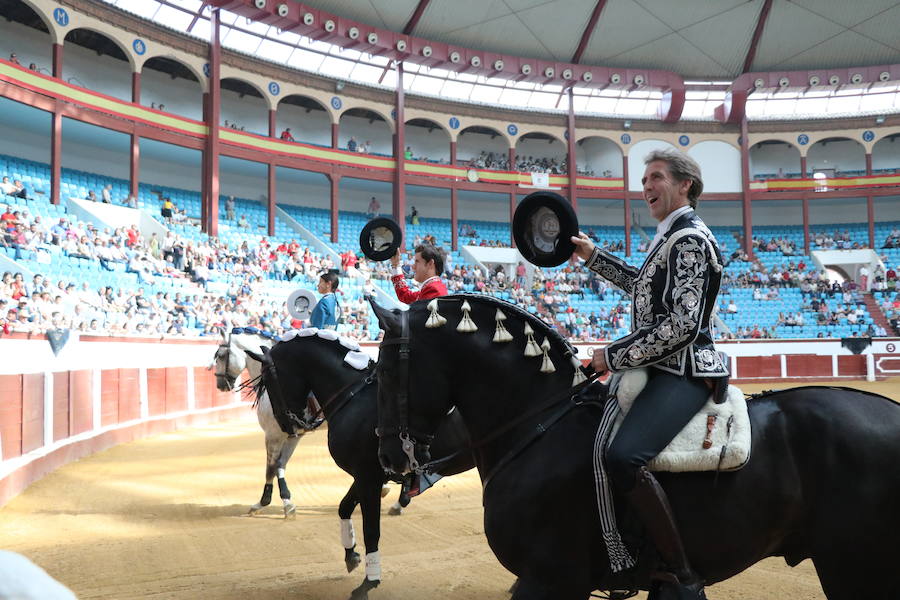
x,y
716,439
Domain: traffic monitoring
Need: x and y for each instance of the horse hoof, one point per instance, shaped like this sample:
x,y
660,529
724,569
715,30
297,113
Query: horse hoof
x,y
362,592
352,560
385,490
290,511
396,510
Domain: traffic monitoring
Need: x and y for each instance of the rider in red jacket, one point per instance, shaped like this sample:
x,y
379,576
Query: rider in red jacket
x,y
427,269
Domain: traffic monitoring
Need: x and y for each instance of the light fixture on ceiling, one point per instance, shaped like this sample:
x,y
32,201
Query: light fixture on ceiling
x,y
338,86
879,120
627,124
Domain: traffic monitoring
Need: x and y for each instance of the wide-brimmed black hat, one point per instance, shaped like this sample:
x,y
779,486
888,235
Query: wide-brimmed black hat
x,y
542,225
380,238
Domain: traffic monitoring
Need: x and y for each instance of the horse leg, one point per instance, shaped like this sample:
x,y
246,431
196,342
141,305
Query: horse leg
x,y
370,503
348,536
402,502
284,455
856,576
270,475
528,589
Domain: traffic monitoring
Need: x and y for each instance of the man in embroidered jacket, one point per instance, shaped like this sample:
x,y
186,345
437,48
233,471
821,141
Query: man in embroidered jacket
x,y
673,296
427,268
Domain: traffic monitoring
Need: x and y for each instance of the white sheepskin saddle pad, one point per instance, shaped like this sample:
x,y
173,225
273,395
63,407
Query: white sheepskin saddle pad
x,y
729,433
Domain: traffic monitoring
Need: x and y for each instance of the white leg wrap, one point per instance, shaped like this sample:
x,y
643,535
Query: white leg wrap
x,y
373,566
280,473
348,536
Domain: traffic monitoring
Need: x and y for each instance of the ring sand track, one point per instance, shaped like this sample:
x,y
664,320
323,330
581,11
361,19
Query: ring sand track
x,y
164,517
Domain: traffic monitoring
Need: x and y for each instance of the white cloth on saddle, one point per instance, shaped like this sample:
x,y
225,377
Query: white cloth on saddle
x,y
358,360
686,452
325,334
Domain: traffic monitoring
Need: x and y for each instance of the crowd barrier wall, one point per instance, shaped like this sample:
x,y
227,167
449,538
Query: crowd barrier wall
x,y
96,393
102,391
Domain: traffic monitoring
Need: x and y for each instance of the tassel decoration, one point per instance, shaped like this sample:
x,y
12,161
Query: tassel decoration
x,y
579,374
501,334
434,319
466,325
547,364
531,347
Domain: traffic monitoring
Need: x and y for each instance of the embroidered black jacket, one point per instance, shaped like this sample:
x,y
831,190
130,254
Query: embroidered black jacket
x,y
673,295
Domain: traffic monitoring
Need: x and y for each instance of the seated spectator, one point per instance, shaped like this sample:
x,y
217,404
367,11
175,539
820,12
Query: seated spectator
x,y
374,207
351,145
7,187
14,59
243,223
286,135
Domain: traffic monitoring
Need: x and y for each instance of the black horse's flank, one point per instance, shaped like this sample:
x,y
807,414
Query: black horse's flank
x,y
313,364
822,481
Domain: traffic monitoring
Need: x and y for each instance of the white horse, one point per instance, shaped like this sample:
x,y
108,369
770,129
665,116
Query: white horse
x,y
230,361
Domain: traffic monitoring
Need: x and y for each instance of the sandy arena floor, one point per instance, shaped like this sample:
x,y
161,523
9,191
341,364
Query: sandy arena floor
x,y
165,518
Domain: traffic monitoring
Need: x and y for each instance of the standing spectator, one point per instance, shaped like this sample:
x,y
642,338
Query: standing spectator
x,y
167,209
374,207
408,154
286,135
351,145
414,216
106,194
864,278
229,208
131,202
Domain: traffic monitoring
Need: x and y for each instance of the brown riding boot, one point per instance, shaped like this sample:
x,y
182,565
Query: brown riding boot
x,y
649,501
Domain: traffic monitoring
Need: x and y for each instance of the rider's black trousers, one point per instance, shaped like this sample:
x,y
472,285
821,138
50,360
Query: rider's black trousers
x,y
659,412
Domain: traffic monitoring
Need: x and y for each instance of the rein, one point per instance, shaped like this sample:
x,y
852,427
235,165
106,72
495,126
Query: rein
x,y
409,438
286,418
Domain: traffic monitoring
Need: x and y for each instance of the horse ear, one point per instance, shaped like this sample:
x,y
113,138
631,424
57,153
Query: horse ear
x,y
388,320
256,355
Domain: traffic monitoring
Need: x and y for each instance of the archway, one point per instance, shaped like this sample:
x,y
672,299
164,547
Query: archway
x,y
307,119
428,141
171,86
837,157
26,34
774,159
482,147
369,129
243,107
97,62
541,152
598,156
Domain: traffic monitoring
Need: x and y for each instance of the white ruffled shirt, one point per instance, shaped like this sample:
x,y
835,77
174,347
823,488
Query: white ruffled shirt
x,y
665,225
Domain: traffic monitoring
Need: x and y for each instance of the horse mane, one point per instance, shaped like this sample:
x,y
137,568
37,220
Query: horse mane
x,y
514,310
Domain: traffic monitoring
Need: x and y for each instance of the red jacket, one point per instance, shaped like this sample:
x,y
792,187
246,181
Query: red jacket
x,y
432,288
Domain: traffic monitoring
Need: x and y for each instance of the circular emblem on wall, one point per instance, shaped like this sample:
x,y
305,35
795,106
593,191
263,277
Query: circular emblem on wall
x,y
626,138
336,103
454,123
139,46
803,139
890,347
61,16
472,175
868,135
512,129
206,69
684,140
274,88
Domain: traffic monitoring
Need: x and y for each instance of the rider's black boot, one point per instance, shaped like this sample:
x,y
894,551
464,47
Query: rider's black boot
x,y
649,501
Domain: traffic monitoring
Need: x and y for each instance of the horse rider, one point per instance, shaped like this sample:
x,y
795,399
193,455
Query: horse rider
x,y
325,313
427,268
428,265
324,316
673,296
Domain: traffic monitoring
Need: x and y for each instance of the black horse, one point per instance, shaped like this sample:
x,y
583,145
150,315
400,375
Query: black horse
x,y
293,368
823,481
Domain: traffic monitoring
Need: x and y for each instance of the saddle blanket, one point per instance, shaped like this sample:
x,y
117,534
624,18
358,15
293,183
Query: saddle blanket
x,y
717,438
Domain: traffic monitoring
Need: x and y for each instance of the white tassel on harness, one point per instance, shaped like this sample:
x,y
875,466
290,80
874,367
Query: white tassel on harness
x,y
531,347
466,325
434,319
579,374
501,334
547,364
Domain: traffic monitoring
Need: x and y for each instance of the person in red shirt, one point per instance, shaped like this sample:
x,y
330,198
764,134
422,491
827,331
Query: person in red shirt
x,y
427,267
286,135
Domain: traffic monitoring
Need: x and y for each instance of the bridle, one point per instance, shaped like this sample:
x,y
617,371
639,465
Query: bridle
x,y
226,346
410,439
287,419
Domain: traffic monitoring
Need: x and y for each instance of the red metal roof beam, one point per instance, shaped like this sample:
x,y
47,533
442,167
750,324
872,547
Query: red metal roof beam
x,y
416,16
588,31
757,34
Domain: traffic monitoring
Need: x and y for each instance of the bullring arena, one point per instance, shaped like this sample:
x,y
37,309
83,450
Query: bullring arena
x,y
173,170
